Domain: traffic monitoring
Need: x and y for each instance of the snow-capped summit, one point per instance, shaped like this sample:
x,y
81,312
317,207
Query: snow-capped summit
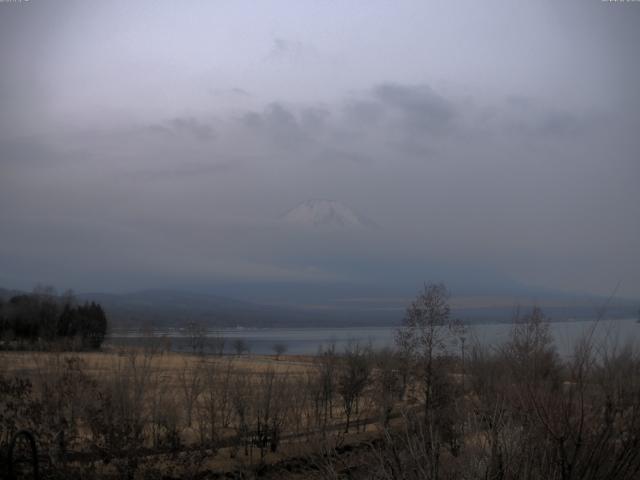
x,y
326,214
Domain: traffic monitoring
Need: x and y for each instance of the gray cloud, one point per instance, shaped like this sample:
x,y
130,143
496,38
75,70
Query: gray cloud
x,y
492,159
180,171
459,197
528,117
240,91
421,108
286,127
236,92
364,112
291,51
190,126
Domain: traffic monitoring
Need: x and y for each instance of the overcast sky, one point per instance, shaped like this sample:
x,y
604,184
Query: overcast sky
x,y
156,143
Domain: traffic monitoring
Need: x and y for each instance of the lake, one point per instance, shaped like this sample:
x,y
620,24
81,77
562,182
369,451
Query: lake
x,y
309,340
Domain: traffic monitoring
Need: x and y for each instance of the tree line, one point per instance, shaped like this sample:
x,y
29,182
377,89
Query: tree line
x,y
44,317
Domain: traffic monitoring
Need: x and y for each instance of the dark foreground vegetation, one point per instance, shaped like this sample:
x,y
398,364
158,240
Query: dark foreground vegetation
x,y
42,319
438,406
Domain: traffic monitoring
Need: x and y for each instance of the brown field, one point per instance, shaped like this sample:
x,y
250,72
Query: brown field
x,y
100,363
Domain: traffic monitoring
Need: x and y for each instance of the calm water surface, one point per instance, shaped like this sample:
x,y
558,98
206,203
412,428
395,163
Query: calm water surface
x,y
309,340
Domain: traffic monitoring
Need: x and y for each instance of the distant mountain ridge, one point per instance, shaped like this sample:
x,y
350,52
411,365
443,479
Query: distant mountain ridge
x,y
176,308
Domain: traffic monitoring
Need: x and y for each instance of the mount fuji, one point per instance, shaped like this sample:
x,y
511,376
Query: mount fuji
x,y
326,214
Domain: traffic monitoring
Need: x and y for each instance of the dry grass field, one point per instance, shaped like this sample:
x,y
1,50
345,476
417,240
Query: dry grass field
x,y
106,362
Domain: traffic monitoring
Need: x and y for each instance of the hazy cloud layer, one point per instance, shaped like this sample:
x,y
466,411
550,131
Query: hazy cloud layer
x,y
175,174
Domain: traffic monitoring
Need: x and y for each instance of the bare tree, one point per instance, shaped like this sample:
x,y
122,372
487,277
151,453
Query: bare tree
x,y
423,339
353,378
388,382
218,342
240,346
190,380
279,349
215,395
327,365
242,401
530,349
162,412
197,336
301,394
